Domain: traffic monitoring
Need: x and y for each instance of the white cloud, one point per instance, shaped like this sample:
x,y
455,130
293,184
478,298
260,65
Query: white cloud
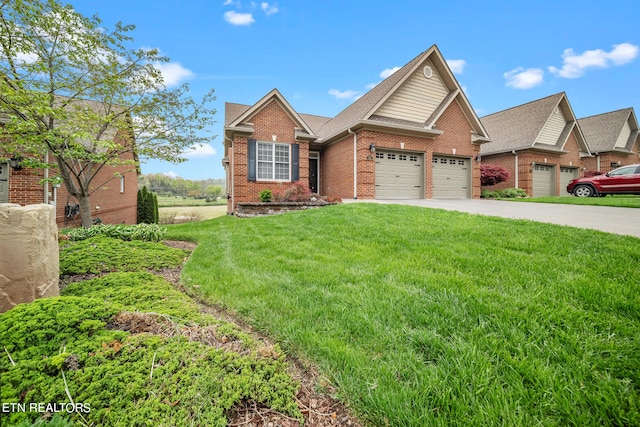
x,y
344,94
575,65
388,71
520,78
456,65
171,174
268,9
372,85
173,73
235,18
200,151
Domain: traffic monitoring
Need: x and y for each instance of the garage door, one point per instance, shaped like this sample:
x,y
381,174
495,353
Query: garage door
x,y
4,182
566,175
399,175
544,181
451,177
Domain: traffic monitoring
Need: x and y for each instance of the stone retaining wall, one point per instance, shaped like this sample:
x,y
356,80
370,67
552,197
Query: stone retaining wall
x,y
29,259
248,210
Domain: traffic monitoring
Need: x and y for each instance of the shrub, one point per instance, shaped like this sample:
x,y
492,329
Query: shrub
x,y
147,207
588,174
294,193
509,193
265,196
144,232
492,175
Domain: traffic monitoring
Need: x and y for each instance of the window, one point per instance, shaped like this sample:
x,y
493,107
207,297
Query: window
x,y
413,158
460,162
402,157
379,155
273,161
624,171
391,156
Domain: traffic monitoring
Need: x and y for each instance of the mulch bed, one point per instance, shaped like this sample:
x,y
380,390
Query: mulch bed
x,y
320,409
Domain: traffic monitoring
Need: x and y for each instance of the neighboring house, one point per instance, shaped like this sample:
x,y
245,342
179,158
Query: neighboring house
x,y
540,143
113,202
613,138
412,136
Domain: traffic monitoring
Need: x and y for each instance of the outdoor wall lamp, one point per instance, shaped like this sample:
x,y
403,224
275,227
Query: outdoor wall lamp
x,y
477,158
15,163
372,148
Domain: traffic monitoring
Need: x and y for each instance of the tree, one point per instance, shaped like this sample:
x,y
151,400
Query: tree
x,y
75,98
492,175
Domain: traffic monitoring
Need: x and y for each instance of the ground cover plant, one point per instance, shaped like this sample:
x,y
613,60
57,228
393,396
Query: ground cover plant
x,y
129,348
104,254
620,201
433,318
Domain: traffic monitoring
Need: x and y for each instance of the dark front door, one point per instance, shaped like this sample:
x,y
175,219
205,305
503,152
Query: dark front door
x,y
313,175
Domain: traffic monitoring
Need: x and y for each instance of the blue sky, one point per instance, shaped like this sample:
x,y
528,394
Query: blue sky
x,y
322,55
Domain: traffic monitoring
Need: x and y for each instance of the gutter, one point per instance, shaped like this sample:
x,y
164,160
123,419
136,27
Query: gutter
x,y
355,163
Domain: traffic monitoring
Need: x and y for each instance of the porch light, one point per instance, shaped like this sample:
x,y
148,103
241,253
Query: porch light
x,y
372,148
15,163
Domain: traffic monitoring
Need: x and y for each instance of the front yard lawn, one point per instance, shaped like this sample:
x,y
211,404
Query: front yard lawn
x,y
425,317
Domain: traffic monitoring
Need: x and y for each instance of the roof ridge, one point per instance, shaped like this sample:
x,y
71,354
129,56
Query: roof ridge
x,y
608,112
525,104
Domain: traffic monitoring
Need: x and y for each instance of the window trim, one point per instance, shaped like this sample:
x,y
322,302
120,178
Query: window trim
x,y
273,161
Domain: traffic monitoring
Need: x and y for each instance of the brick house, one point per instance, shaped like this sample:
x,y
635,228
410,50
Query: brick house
x,y
113,202
412,136
540,143
613,138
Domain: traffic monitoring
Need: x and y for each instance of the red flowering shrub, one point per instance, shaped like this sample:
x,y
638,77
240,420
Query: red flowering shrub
x,y
294,193
588,174
492,175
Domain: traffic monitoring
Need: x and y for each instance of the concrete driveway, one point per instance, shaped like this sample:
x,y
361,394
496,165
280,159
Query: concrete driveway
x,y
625,221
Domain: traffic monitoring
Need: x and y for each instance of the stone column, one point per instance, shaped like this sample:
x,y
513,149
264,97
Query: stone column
x,y
29,258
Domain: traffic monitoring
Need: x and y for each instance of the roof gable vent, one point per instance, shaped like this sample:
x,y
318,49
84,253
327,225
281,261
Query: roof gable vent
x,y
428,72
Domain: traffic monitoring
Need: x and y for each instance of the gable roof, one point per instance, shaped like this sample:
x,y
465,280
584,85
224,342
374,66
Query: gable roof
x,y
364,108
518,128
602,130
236,114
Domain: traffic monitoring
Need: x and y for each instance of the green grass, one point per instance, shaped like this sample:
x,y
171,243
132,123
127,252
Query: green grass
x,y
169,201
434,318
620,201
200,212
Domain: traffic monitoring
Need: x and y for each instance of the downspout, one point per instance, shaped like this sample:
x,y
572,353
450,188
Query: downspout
x,y
515,153
598,162
355,163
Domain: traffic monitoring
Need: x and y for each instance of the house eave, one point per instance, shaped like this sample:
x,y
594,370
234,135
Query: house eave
x,y
383,127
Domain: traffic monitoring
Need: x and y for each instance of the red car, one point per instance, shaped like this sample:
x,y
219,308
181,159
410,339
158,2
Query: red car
x,y
623,180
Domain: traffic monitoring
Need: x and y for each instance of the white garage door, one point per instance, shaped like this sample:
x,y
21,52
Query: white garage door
x,y
544,181
399,175
566,175
451,177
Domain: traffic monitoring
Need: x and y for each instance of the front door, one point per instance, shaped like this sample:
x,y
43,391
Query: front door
x,y
313,175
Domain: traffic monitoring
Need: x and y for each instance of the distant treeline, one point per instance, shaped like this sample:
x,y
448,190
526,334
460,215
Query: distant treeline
x,y
164,185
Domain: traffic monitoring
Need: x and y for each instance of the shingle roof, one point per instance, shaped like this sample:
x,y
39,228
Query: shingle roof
x,y
601,131
359,108
518,127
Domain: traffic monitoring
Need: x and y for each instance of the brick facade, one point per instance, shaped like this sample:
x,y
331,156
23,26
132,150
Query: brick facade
x,y
610,160
527,158
108,203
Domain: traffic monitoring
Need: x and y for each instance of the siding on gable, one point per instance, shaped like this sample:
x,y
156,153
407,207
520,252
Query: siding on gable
x,y
552,129
623,138
417,98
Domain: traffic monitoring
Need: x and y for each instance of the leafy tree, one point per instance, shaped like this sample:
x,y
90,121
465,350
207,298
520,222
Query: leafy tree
x,y
75,98
492,175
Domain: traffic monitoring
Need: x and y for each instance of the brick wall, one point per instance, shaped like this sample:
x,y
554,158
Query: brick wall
x,y
337,159
269,121
115,207
525,169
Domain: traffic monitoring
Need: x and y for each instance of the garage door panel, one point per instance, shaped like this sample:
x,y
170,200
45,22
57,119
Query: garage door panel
x,y
399,175
544,180
566,175
451,177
